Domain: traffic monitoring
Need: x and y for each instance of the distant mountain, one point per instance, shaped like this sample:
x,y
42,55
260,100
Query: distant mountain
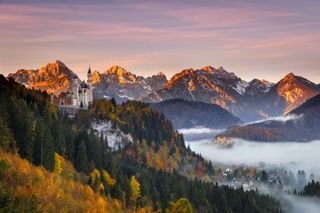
x,y
250,101
265,102
115,82
188,114
257,87
55,77
123,85
296,90
208,85
300,125
312,106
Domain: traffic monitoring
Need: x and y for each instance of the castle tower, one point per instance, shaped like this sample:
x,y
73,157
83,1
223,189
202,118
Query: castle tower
x,y
89,81
75,91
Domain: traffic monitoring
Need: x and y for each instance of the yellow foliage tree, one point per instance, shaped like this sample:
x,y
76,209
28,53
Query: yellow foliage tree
x,y
95,179
109,180
181,206
135,190
59,163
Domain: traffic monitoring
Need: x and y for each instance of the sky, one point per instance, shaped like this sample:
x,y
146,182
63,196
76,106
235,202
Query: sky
x,y
252,38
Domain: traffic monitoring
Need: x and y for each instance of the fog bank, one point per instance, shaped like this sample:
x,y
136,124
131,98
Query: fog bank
x,y
200,133
282,119
298,204
290,155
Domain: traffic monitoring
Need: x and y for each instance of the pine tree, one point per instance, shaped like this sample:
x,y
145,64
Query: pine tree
x,y
82,158
7,141
43,146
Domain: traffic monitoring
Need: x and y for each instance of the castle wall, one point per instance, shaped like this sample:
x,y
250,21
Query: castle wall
x,y
78,93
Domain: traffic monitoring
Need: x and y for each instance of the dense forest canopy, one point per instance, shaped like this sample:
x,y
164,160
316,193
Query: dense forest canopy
x,y
153,171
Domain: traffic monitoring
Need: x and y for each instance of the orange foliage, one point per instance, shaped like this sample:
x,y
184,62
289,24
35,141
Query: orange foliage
x,y
54,192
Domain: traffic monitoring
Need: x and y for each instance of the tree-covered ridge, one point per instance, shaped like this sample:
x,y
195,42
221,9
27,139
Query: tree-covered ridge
x,y
34,128
156,143
312,189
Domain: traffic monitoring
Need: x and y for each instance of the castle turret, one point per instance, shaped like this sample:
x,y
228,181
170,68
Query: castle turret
x,y
75,91
89,82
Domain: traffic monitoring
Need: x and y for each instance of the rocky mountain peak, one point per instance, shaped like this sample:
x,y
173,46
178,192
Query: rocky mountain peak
x,y
161,74
209,69
179,75
123,85
257,86
96,77
289,76
116,69
122,75
296,90
54,77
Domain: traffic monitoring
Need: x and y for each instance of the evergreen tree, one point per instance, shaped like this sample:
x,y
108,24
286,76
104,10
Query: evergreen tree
x,y
43,147
81,158
7,141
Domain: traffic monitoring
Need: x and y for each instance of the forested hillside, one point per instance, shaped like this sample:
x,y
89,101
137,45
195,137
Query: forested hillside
x,y
152,171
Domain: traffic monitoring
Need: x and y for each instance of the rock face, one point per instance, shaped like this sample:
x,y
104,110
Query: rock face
x,y
188,114
208,85
54,77
257,87
289,93
300,125
296,90
114,137
251,101
123,85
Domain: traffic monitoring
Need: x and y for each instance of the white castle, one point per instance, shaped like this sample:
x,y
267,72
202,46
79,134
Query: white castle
x,y
78,96
81,92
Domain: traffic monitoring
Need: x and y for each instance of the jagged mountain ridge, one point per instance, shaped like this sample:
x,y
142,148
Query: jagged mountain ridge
x,y
208,84
188,114
289,93
249,101
54,78
257,86
300,125
123,85
115,82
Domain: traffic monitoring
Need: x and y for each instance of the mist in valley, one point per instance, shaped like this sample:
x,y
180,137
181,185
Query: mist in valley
x,y
289,156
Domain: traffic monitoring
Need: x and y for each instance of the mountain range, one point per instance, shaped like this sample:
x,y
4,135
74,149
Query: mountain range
x,y
300,125
250,101
123,85
55,77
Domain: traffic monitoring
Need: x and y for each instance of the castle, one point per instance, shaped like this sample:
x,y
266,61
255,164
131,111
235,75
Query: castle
x,y
78,96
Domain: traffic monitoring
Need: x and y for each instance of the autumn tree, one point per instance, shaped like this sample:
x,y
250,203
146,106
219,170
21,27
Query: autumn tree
x,y
181,206
135,190
59,163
